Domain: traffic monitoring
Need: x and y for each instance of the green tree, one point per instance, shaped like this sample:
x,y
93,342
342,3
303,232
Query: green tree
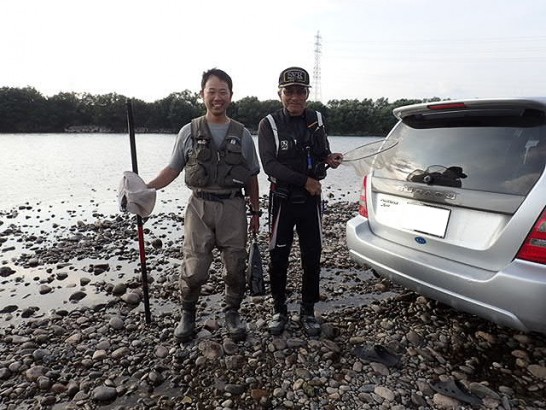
x,y
269,106
143,113
26,110
88,109
351,117
177,109
250,111
22,110
111,112
382,119
64,111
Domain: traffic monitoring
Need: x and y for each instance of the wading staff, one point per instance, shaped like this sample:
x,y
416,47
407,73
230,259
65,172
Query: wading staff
x,y
131,126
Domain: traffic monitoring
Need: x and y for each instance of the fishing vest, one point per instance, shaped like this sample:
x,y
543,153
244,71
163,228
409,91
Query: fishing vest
x,y
305,155
214,167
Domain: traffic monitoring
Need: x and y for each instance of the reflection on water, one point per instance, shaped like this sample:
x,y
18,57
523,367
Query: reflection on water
x,y
84,169
52,182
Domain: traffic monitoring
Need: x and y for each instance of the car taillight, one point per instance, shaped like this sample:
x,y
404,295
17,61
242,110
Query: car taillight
x,y
534,247
362,204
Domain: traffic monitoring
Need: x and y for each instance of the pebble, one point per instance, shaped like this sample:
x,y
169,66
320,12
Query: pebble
x,y
537,371
116,323
104,393
106,355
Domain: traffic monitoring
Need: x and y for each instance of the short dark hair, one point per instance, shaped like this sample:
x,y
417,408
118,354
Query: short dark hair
x,y
222,75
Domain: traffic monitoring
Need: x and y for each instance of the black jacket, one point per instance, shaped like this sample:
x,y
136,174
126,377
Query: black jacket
x,y
300,151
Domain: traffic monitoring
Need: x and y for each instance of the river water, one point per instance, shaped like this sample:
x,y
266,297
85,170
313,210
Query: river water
x,y
69,170
52,183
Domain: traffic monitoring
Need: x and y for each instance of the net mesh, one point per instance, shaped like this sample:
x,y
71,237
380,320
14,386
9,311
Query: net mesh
x,y
368,156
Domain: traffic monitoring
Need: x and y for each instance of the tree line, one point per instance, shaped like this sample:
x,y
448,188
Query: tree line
x,y
25,110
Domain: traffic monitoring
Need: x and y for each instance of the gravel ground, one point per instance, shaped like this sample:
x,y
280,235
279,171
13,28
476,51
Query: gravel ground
x,y
93,350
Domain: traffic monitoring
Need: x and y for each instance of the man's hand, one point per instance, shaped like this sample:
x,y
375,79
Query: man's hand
x,y
334,160
313,186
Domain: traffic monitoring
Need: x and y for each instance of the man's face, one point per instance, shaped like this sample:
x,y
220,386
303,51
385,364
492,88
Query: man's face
x,y
294,98
216,96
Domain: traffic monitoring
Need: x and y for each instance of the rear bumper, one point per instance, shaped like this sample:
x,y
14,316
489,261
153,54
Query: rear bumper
x,y
514,296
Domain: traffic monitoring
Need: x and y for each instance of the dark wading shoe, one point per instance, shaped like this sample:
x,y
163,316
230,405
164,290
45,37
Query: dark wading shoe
x,y
308,320
277,324
185,330
235,328
310,325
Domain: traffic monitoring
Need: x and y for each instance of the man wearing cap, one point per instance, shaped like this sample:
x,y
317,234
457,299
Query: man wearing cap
x,y
295,154
219,159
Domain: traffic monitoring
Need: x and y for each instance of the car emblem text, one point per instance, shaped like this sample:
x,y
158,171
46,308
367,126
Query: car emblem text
x,y
428,193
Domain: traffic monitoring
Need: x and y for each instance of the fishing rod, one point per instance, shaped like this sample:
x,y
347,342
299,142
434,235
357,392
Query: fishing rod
x,y
142,249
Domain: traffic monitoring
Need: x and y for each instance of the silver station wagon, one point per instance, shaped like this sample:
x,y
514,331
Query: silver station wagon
x,y
455,210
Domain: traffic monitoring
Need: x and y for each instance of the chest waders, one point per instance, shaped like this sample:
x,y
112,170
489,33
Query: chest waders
x,y
215,217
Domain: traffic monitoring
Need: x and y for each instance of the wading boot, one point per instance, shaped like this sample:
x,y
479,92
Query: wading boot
x,y
308,320
185,330
277,324
235,327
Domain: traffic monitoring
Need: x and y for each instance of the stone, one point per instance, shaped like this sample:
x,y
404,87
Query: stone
x,y
104,393
537,371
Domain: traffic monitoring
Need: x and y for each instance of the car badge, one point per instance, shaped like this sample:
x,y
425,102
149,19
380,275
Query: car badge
x,y
420,240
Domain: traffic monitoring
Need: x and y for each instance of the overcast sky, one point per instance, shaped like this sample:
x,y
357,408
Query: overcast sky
x,y
396,49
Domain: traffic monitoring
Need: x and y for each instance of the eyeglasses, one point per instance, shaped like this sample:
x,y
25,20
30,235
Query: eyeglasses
x,y
289,91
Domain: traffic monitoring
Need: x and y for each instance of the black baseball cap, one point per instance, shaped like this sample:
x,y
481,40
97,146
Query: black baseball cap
x,y
294,76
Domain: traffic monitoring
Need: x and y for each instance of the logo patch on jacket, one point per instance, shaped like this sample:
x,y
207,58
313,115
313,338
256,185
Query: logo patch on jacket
x,y
284,145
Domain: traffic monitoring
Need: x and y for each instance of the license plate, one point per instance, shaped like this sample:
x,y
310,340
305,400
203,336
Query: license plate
x,y
407,214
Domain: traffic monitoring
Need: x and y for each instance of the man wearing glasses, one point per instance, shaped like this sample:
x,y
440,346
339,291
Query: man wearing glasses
x,y
295,154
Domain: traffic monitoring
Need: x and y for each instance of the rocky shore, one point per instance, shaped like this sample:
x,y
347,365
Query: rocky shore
x,y
91,348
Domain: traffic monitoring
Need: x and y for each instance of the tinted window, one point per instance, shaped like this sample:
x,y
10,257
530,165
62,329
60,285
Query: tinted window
x,y
504,159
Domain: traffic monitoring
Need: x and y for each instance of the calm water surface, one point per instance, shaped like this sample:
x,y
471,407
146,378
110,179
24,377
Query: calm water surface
x,y
70,170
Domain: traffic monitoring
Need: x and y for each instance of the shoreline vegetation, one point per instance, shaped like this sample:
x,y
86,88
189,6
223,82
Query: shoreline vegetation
x,y
92,349
26,110
94,129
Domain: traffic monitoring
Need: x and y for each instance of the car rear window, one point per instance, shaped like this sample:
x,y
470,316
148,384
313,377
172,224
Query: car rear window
x,y
481,152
